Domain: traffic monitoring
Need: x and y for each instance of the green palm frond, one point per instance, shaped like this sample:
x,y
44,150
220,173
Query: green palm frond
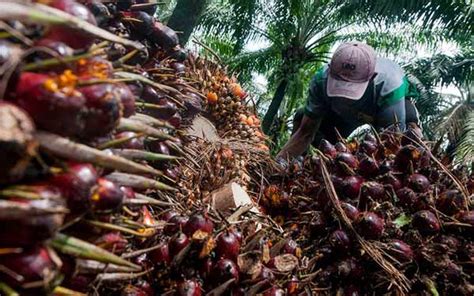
x,y
465,150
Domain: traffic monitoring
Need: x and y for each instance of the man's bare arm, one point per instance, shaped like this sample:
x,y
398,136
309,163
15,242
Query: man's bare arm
x,y
301,139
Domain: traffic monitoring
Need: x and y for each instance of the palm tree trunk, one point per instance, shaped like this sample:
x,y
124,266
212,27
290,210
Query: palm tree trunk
x,y
274,106
185,17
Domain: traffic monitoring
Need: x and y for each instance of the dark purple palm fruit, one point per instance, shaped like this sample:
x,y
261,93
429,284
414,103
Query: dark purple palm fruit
x,y
406,158
368,147
175,120
134,143
352,290
175,224
341,147
53,107
351,212
157,146
426,222
32,271
197,222
392,181
351,186
177,243
179,68
160,255
466,217
327,148
164,36
140,24
188,288
123,5
370,225
386,166
192,104
450,202
57,47
227,245
340,242
407,197
104,109
205,268
368,167
418,183
178,54
127,98
20,231
400,251
371,190
75,38
17,144
346,163
350,268
291,247
75,185
274,291
225,270
106,196
100,12
164,109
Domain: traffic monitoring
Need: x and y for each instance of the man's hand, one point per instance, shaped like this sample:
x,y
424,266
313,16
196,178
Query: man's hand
x,y
301,140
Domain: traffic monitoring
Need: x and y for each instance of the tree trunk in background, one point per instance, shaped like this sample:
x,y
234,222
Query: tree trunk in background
x,y
185,17
274,106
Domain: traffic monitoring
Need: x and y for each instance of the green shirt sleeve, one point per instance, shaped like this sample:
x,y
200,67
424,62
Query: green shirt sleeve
x,y
315,106
395,96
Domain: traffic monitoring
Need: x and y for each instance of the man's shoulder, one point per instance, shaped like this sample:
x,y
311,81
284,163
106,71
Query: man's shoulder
x,y
389,74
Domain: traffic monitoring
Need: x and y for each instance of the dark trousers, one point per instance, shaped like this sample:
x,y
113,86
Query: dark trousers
x,y
332,122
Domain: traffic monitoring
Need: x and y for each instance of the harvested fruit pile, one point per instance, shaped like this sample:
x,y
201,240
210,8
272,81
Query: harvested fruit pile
x,y
104,191
380,215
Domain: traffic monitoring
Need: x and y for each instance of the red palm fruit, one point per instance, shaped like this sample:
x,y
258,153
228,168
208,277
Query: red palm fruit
x,y
175,224
25,231
227,245
135,143
177,243
341,147
127,98
166,216
394,182
113,242
161,255
16,142
175,120
94,68
128,192
327,148
205,268
31,272
56,109
340,241
274,291
466,217
350,268
75,38
188,288
104,109
292,286
418,182
75,185
225,270
400,251
426,222
106,196
58,47
198,222
351,186
450,202
351,212
368,167
370,225
164,36
368,147
407,197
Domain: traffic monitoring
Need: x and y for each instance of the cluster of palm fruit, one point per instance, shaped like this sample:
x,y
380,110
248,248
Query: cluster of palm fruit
x,y
391,194
89,142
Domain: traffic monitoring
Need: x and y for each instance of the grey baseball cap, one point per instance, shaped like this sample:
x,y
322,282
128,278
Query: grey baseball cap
x,y
350,70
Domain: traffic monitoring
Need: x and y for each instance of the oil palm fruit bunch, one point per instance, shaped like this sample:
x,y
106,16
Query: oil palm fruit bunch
x,y
390,196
